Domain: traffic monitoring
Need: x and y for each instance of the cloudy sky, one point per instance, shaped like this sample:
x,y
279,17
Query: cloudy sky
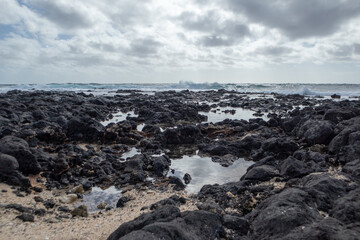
x,y
278,41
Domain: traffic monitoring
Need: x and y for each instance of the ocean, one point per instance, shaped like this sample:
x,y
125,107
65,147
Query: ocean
x,y
349,90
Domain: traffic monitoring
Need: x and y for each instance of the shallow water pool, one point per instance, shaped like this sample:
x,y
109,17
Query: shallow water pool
x,y
221,115
204,171
118,117
110,195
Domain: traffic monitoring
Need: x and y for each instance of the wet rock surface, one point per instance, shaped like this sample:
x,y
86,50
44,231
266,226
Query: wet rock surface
x,y
304,183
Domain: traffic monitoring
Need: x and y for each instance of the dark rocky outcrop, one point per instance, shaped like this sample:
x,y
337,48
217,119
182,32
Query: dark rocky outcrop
x,y
169,223
19,149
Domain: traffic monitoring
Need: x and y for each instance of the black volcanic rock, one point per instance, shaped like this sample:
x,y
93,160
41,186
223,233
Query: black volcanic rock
x,y
261,173
317,132
19,149
84,129
168,223
280,214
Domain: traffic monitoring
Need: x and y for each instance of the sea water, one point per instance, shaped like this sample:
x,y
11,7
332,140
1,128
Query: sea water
x,y
289,88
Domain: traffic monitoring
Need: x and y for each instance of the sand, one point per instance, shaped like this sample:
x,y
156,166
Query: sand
x,y
96,226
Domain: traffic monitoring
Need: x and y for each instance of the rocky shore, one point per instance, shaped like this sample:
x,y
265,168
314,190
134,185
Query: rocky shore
x,y
55,147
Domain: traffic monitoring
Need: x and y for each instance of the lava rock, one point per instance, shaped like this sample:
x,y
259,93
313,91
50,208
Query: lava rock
x,y
261,173
317,132
121,202
19,149
278,215
174,200
9,171
26,217
168,223
166,213
324,189
293,168
18,207
40,212
347,208
49,203
179,185
160,165
187,178
236,223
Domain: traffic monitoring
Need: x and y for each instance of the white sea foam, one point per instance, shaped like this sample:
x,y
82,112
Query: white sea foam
x,y
96,88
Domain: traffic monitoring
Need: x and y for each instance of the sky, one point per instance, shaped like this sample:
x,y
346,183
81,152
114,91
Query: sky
x,y
167,41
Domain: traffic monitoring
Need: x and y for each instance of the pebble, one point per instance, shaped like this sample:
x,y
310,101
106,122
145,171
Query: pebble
x,y
70,198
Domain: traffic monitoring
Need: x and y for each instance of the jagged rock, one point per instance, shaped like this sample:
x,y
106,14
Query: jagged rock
x,y
121,202
179,185
173,200
324,189
9,171
347,208
187,178
236,223
26,217
168,223
317,132
293,168
19,149
261,173
167,213
278,215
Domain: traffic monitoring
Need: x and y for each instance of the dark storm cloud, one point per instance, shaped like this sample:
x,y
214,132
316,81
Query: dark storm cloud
x,y
65,16
274,51
356,47
218,33
144,47
106,47
215,41
345,52
298,18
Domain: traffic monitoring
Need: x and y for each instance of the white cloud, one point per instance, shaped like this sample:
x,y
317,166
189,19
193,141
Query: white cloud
x,y
146,38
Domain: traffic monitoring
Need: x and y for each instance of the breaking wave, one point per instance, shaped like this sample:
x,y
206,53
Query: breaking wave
x,y
303,89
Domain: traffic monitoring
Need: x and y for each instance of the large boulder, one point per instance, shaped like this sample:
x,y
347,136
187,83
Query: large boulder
x,y
337,115
8,164
168,223
347,208
181,135
278,215
160,165
317,132
261,173
293,168
328,228
280,146
19,149
343,138
166,213
324,188
353,168
84,129
9,171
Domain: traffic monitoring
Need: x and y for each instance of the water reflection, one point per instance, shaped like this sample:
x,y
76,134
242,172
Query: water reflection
x,y
223,113
133,151
118,117
110,195
204,171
